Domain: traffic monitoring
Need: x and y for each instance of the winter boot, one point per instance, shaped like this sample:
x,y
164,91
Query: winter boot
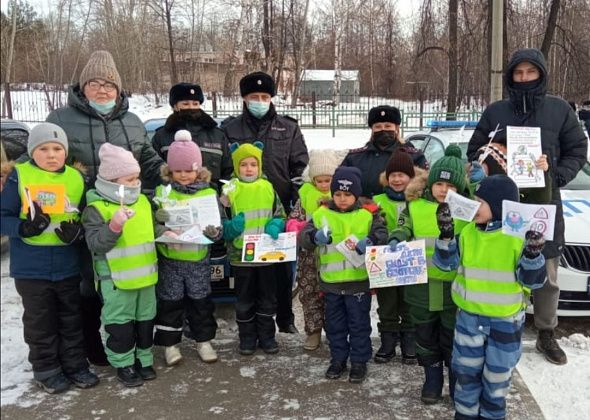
x,y
146,372
452,382
313,340
387,350
172,355
433,384
289,329
269,345
358,372
408,346
56,384
129,377
547,345
83,378
206,352
336,369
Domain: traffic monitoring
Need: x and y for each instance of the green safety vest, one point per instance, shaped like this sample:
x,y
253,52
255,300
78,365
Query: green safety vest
x,y
309,196
423,214
133,262
254,199
187,252
30,174
486,282
334,267
391,208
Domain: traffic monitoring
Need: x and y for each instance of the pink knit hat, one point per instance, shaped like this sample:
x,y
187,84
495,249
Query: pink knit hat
x,y
184,154
116,162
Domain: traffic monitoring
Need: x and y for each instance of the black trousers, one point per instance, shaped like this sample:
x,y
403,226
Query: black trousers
x,y
284,278
53,325
171,313
90,310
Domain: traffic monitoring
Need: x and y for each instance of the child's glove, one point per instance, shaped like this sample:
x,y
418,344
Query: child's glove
x,y
120,218
233,228
321,238
70,232
476,173
162,215
361,246
533,244
273,227
212,232
36,225
294,225
393,244
444,220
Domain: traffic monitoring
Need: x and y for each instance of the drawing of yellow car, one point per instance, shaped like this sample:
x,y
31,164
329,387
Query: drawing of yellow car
x,y
273,255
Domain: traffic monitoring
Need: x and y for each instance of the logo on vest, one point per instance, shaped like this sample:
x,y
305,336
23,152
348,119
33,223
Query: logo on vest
x,y
445,175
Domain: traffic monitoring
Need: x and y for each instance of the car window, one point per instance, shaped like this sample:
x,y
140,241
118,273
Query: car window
x,y
433,149
581,181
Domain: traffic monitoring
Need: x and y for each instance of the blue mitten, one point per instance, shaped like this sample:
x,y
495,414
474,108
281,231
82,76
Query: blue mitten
x,y
273,227
361,246
320,238
233,228
476,172
393,244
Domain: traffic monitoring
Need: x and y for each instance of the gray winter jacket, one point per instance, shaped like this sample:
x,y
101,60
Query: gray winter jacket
x,y
562,138
87,130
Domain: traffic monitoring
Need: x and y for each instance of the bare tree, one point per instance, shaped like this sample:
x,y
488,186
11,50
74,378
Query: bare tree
x,y
550,29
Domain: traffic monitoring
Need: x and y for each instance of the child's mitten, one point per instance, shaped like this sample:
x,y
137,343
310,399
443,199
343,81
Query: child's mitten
x,y
444,220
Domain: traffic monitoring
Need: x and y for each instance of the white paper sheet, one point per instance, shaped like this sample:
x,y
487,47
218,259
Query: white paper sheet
x,y
405,266
461,207
347,248
518,218
262,248
523,150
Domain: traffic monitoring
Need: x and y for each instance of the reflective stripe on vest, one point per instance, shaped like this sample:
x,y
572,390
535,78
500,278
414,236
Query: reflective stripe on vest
x,y
256,200
391,208
334,267
486,281
133,260
186,252
423,214
309,196
28,175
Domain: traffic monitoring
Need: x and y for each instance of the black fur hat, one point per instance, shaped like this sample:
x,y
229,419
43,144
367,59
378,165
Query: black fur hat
x,y
384,113
186,92
257,82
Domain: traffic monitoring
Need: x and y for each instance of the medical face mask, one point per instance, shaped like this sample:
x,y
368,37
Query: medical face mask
x,y
258,109
105,108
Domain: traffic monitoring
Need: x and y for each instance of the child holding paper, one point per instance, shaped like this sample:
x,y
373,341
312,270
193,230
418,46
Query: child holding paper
x,y
395,325
321,167
184,285
255,208
430,305
496,274
45,259
345,286
120,236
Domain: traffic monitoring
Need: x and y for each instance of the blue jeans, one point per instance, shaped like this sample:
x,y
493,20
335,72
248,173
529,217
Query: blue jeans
x,y
348,327
485,351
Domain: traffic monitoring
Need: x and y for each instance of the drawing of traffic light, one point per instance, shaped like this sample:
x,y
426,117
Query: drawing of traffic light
x,y
249,252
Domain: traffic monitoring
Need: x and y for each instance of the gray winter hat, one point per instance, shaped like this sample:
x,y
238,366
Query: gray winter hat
x,y
46,133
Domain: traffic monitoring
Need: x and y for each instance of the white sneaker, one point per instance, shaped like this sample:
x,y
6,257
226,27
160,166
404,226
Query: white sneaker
x,y
206,352
172,355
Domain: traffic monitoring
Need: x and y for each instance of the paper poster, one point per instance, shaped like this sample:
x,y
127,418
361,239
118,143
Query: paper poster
x,y
199,211
51,197
262,248
461,207
207,210
405,266
523,150
518,218
193,235
347,248
180,216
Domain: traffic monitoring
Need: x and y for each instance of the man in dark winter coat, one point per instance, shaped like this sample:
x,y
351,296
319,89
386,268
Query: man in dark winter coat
x,y
371,159
584,114
565,145
186,100
284,158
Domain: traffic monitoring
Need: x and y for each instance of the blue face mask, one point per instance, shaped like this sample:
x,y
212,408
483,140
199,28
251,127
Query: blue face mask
x,y
258,109
103,109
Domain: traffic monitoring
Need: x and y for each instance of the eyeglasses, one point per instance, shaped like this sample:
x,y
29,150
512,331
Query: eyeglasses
x,y
95,85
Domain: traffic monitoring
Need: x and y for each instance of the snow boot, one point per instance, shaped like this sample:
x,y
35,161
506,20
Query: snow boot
x,y
206,352
336,369
83,378
289,329
129,377
269,345
387,350
358,372
313,340
147,373
172,355
55,384
452,382
408,346
433,384
547,345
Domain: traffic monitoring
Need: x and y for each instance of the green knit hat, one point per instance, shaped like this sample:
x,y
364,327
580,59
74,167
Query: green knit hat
x,y
449,169
246,150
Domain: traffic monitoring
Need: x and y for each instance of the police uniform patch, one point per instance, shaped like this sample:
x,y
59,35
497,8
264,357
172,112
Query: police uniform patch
x,y
259,82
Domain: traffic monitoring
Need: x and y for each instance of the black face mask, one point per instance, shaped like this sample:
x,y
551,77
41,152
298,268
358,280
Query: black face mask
x,y
526,86
189,114
384,138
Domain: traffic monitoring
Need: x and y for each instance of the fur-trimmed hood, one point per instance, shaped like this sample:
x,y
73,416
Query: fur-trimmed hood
x,y
417,185
203,174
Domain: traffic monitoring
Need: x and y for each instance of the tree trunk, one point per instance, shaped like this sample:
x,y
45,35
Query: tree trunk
x,y
550,29
173,72
300,59
452,93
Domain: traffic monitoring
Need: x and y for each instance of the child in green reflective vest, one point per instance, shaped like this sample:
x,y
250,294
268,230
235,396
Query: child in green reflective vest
x,y
430,305
315,190
184,286
39,209
495,274
255,208
120,235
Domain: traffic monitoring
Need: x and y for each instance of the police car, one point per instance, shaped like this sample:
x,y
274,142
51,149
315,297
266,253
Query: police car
x,y
441,134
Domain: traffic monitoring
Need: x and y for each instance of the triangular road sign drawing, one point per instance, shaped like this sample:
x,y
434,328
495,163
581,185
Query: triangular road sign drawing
x,y
541,214
374,268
